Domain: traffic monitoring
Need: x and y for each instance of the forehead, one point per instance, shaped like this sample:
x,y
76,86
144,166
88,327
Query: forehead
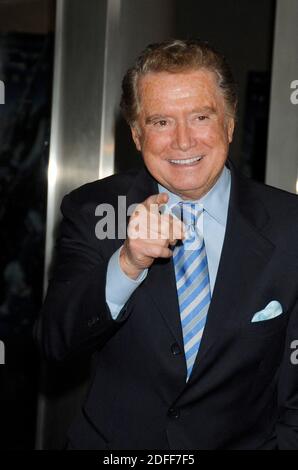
x,y
165,87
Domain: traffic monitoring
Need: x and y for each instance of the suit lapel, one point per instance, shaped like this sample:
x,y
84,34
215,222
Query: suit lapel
x,y
161,286
245,254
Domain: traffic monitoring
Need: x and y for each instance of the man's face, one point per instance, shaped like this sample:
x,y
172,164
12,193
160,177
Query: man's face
x,y
183,130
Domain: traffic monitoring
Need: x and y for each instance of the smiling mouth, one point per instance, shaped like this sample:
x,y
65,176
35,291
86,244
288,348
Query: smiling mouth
x,y
186,161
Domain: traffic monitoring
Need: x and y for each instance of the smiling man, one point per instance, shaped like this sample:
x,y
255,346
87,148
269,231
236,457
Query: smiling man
x,y
183,130
190,323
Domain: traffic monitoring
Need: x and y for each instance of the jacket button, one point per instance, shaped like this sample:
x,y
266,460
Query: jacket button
x,y
174,413
175,349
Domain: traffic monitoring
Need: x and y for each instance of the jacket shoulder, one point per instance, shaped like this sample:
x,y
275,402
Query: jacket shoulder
x,y
103,190
280,207
277,201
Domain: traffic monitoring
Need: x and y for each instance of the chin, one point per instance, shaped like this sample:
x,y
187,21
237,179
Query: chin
x,y
186,191
187,186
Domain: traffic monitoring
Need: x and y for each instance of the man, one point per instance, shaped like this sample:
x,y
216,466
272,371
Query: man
x,y
191,319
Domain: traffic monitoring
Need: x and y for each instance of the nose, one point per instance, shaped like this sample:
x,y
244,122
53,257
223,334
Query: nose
x,y
183,138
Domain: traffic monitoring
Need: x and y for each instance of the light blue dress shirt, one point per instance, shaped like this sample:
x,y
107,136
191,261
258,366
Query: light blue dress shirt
x,y
215,203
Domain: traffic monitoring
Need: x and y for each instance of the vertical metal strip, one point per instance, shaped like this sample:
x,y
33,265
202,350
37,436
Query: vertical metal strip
x,y
53,167
110,85
51,193
282,151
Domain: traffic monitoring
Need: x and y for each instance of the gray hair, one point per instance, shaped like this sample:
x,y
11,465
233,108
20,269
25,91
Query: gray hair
x,y
175,56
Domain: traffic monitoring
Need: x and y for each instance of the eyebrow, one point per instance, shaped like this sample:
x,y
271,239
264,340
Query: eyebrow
x,y
203,109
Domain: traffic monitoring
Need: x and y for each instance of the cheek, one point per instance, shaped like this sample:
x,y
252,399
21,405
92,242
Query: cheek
x,y
155,143
213,135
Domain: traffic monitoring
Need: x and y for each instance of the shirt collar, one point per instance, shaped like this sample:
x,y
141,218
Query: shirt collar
x,y
215,202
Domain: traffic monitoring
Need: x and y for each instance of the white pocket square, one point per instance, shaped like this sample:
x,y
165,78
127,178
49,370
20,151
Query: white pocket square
x,y
273,309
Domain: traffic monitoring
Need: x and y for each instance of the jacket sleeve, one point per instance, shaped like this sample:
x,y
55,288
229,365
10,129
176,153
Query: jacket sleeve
x,y
287,426
75,317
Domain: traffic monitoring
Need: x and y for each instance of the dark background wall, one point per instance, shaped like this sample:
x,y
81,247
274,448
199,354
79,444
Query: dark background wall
x,y
243,31
26,58
31,16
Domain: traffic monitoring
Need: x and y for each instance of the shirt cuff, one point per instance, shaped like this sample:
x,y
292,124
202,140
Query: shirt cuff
x,y
119,287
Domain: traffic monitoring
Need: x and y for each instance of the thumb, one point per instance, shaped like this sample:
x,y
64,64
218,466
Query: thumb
x,y
155,201
162,198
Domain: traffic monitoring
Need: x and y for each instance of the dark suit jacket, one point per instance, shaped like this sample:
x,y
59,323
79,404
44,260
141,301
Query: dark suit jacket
x,y
243,391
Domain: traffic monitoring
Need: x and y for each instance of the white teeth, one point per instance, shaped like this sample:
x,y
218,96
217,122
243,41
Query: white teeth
x,y
186,161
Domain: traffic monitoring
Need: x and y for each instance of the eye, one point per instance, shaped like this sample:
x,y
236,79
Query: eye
x,y
202,118
161,123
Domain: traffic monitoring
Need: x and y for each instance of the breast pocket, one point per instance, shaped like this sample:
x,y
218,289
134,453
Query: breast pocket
x,y
264,343
265,328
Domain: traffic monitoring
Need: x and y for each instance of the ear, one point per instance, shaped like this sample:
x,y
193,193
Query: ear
x,y
136,137
231,127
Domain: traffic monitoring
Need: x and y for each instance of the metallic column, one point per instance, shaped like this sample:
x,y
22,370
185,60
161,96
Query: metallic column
x,y
81,150
83,108
95,42
282,155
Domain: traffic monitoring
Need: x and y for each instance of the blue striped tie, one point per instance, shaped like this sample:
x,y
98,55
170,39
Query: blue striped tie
x,y
192,280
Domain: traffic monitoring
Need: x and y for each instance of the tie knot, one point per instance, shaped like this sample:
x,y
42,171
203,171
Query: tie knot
x,y
190,212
